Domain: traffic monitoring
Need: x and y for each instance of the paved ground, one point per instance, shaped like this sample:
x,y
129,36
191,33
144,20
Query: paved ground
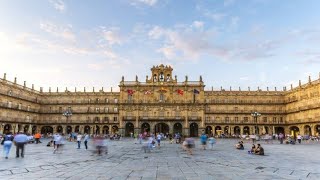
x,y
126,161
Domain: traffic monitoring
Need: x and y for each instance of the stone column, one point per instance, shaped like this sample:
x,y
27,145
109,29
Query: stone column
x,y
241,130
30,129
313,130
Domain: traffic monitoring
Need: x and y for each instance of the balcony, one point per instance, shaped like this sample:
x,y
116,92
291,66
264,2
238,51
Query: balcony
x,y
168,118
16,107
129,118
208,111
242,122
194,118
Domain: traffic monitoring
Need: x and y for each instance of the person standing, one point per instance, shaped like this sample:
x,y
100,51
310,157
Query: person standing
x,y
37,137
86,139
7,143
159,139
79,138
20,140
299,137
212,141
203,139
281,136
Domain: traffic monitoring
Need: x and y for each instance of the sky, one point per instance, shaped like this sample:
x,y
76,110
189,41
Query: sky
x,y
69,43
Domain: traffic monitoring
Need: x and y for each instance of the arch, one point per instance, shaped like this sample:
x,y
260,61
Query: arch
x,y
237,130
226,130
307,130
129,129
105,130
193,130
294,131
161,128
46,130
317,129
7,128
217,130
26,129
279,130
246,130
145,128
87,129
177,128
69,129
34,129
209,130
77,129
59,129
115,129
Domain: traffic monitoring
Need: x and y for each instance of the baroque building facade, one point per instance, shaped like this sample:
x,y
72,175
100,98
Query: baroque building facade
x,y
161,104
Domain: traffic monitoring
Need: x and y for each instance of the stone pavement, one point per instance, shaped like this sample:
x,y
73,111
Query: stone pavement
x,y
126,160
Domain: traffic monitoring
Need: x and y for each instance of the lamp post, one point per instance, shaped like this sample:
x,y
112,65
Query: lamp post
x,y
67,114
255,115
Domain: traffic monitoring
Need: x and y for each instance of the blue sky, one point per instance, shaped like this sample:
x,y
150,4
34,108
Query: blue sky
x,y
235,43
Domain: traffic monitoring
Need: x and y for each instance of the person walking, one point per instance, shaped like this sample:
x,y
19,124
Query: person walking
x,y
159,139
20,140
86,139
212,141
203,139
7,143
37,137
281,136
79,138
299,137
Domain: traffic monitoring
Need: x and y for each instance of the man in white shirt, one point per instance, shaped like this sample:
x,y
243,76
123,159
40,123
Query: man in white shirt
x,y
299,137
55,139
79,138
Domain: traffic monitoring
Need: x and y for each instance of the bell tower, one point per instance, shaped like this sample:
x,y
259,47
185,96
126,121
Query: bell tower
x,y
161,73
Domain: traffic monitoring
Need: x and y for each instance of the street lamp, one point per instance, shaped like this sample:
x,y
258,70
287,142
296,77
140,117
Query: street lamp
x,y
67,114
255,115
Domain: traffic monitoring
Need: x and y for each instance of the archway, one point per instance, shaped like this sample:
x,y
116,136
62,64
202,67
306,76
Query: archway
x,y
161,128
193,130
307,130
237,130
46,130
7,128
209,130
34,129
115,129
217,130
226,130
177,128
105,130
26,129
294,130
77,129
145,128
246,130
129,129
69,129
317,129
87,129
279,130
59,129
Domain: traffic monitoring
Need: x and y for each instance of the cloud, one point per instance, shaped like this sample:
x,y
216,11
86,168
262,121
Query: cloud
x,y
198,24
245,78
64,32
112,35
214,16
145,2
58,5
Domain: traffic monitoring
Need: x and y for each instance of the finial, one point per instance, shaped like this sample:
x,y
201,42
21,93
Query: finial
x,y
93,89
32,86
275,88
66,89
136,78
319,75
258,88
267,88
57,89
102,89
200,78
239,88
49,89
309,79
211,88
24,83
75,89
291,86
299,82
15,80
111,89
175,77
285,88
220,88
84,89
122,78
186,78
41,89
4,76
248,88
146,78
230,88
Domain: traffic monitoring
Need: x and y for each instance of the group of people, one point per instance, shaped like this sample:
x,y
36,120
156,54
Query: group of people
x,y
19,140
255,149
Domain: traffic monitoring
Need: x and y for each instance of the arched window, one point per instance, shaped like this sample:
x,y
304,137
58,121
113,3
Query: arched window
x,y
161,77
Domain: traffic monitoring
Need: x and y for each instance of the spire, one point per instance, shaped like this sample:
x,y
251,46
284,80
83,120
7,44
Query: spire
x,y
258,88
248,88
285,88
15,80
57,89
309,79
221,88
230,88
275,88
211,88
299,82
122,79
49,89
93,89
239,88
84,89
267,88
136,78
200,78
291,86
24,83
66,89
41,89
186,78
32,86
5,76
111,89
75,89
102,89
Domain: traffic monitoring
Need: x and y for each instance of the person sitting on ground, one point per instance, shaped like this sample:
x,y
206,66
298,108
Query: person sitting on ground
x,y
259,150
50,143
253,148
240,145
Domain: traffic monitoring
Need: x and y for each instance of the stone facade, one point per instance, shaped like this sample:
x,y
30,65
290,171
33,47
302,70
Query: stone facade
x,y
161,104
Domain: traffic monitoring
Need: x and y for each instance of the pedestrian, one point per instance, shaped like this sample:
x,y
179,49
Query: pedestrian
x,y
159,139
281,136
20,140
7,143
58,143
79,138
37,137
86,139
55,137
203,139
299,137
212,141
140,138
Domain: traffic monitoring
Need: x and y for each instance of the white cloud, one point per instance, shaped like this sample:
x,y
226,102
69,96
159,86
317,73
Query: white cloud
x,y
198,24
156,32
215,16
64,32
58,5
144,2
112,35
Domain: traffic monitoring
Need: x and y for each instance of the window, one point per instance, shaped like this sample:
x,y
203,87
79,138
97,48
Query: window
x,y
97,110
28,108
245,119
236,119
96,119
106,119
227,119
97,100
28,118
129,98
161,97
274,120
115,100
115,109
9,104
107,100
115,119
265,119
281,119
106,109
10,93
60,109
20,106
